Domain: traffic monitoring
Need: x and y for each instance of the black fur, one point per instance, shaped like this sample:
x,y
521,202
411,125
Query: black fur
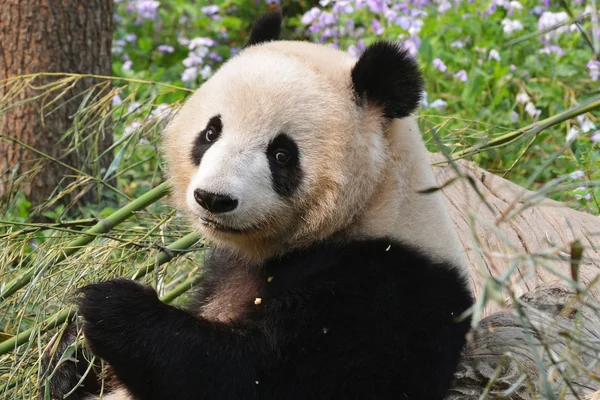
x,y
364,320
266,28
286,176
201,145
387,75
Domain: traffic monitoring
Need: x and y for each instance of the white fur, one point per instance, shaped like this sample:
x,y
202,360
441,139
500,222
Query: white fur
x,y
239,169
361,173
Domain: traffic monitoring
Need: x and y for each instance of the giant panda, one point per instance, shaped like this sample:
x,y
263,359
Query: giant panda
x,y
332,275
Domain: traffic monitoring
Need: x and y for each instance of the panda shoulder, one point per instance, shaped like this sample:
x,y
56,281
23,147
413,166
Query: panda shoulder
x,y
412,270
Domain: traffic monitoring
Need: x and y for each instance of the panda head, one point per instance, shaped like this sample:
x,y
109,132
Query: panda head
x,y
286,143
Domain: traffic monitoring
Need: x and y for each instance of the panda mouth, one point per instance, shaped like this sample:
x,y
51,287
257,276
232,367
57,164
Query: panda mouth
x,y
211,223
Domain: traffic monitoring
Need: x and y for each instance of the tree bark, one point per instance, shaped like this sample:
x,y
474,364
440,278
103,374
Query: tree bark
x,y
73,36
538,319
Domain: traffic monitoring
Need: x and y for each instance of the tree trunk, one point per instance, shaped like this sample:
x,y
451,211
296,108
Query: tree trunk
x,y
538,318
73,36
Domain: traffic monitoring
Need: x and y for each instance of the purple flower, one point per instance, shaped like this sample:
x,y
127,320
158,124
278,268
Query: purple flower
x,y
163,48
549,19
353,51
457,44
116,100
595,137
314,28
585,123
377,28
412,45
192,59
576,174
538,10
572,134
210,10
201,42
511,25
189,74
135,125
329,33
439,64
512,6
376,6
532,111
356,50
403,22
494,55
127,65
522,98
462,75
182,40
327,18
310,16
342,7
438,104
215,57
147,8
552,49
593,67
206,72
130,37
162,112
444,6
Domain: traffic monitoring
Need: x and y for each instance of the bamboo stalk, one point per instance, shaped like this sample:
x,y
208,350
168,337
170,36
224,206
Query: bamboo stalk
x,y
166,255
532,129
103,226
178,247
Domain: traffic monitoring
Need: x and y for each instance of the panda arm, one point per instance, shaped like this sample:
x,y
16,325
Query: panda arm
x,y
160,351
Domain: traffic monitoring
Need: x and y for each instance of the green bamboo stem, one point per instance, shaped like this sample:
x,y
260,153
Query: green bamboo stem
x,y
25,336
103,226
532,129
178,290
164,256
177,247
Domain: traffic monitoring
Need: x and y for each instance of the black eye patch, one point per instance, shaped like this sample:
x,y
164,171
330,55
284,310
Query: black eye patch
x,y
206,138
284,162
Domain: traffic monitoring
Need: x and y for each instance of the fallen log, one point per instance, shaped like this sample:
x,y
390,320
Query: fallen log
x,y
539,334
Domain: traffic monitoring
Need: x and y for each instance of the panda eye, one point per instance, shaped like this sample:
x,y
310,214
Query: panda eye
x,y
211,135
282,157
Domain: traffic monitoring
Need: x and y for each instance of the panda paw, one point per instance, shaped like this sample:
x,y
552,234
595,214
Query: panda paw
x,y
116,313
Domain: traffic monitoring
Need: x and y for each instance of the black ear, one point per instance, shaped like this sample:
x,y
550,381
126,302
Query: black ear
x,y
266,28
387,75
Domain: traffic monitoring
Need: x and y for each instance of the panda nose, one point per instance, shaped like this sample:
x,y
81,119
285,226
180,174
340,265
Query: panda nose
x,y
215,203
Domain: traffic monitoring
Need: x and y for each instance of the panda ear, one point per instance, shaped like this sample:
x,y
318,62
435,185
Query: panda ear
x,y
387,75
266,28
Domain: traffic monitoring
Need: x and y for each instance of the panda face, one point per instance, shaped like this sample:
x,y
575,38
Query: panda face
x,y
244,180
278,149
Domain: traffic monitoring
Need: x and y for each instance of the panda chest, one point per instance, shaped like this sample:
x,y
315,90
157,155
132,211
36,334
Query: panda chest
x,y
232,299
